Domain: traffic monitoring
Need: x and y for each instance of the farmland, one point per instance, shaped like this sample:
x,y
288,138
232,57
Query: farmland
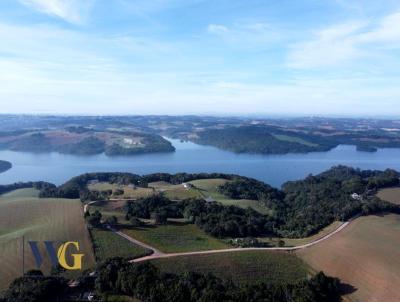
x,y
241,267
390,194
23,214
175,237
107,245
364,255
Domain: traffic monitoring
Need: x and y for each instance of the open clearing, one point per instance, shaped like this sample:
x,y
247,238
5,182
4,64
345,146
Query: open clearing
x,y
175,237
174,191
294,139
365,255
202,188
107,244
243,267
390,194
130,192
23,214
209,188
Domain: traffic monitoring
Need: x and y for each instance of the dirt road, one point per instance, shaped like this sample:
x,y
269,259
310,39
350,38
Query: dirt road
x,y
170,255
157,254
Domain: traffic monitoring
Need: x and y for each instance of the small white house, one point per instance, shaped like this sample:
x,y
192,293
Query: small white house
x,y
187,185
355,196
209,199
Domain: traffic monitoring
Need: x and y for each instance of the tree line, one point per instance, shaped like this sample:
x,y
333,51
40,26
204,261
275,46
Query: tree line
x,y
301,208
145,282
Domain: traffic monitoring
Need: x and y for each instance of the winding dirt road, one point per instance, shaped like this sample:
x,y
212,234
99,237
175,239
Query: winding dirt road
x,y
157,254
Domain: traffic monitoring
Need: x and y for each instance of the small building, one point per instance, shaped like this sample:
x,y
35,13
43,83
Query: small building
x,y
209,199
187,185
356,196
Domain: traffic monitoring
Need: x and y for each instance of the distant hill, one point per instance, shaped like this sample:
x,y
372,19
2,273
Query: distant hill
x,y
265,139
84,141
4,166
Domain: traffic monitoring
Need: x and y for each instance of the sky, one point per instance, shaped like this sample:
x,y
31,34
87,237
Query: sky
x,y
218,57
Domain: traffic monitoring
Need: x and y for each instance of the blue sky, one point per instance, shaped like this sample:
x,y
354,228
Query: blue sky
x,y
224,57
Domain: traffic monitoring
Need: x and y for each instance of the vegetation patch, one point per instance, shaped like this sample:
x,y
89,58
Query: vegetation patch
x,y
119,298
262,139
210,189
241,267
295,139
176,237
108,245
291,242
122,191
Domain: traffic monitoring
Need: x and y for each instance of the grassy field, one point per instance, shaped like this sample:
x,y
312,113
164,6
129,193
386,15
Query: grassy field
x,y
115,298
241,267
129,192
23,214
210,185
294,139
107,244
109,208
390,194
209,188
176,237
365,255
203,188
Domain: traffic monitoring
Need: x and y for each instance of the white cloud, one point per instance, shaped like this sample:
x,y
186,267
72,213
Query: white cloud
x,y
345,43
254,36
72,11
217,29
388,31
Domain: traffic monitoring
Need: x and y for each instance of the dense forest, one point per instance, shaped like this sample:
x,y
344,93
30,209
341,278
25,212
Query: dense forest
x,y
301,208
266,139
145,282
261,139
4,166
214,218
304,207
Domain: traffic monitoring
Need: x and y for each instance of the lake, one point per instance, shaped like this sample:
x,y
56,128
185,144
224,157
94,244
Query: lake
x,y
273,169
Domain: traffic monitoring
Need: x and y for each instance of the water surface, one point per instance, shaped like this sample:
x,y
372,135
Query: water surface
x,y
189,157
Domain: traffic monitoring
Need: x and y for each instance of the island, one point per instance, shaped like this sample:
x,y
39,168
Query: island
x,y
4,166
